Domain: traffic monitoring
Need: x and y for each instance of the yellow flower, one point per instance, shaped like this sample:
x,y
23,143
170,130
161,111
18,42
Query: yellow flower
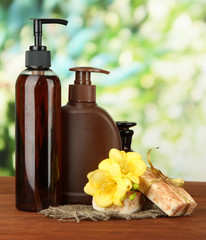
x,y
107,187
130,163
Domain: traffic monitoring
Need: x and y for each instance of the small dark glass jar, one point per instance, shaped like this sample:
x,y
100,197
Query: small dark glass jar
x,y
126,134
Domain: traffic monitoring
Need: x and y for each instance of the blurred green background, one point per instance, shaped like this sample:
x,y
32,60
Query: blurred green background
x,y
156,52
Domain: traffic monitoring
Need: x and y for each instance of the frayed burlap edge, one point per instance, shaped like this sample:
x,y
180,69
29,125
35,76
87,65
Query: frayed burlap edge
x,y
86,212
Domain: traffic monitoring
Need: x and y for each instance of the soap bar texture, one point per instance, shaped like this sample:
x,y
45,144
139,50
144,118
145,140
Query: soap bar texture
x,y
169,200
128,207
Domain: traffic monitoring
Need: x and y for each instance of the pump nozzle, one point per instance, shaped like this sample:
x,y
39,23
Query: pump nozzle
x,y
82,90
83,74
38,56
37,25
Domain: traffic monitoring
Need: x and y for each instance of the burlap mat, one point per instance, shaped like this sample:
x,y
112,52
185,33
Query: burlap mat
x,y
82,212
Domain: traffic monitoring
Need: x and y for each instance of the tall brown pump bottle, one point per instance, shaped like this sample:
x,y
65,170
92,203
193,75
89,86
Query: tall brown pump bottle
x,y
88,133
38,128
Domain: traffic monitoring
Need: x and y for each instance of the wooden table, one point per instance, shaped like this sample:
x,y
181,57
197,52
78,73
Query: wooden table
x,y
15,224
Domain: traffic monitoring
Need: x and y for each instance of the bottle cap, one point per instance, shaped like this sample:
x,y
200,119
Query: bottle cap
x,y
125,125
38,56
82,90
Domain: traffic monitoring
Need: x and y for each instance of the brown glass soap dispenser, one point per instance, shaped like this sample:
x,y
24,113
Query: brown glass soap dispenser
x,y
88,134
38,128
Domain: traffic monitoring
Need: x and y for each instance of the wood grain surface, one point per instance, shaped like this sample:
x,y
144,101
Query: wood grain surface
x,y
15,224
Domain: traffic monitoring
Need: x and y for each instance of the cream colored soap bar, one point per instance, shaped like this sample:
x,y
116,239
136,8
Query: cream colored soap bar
x,y
165,197
128,207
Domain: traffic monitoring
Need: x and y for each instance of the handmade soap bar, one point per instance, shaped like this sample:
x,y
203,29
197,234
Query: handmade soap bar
x,y
139,203
128,207
173,200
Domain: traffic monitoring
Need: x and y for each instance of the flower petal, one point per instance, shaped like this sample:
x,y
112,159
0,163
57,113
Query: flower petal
x,y
105,164
115,154
135,179
121,188
115,171
139,167
89,174
103,199
124,154
89,189
128,183
133,155
97,178
118,202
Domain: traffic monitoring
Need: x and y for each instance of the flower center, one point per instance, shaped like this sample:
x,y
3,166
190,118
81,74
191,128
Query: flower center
x,y
109,185
124,168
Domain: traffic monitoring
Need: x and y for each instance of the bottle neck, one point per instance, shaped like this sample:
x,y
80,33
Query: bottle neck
x,y
82,78
39,72
82,93
38,68
126,138
80,105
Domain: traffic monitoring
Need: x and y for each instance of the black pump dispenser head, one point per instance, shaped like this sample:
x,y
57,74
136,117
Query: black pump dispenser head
x,y
38,56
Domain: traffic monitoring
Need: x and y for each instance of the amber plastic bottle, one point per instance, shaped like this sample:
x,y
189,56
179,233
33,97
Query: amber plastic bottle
x,y
38,129
126,134
88,133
